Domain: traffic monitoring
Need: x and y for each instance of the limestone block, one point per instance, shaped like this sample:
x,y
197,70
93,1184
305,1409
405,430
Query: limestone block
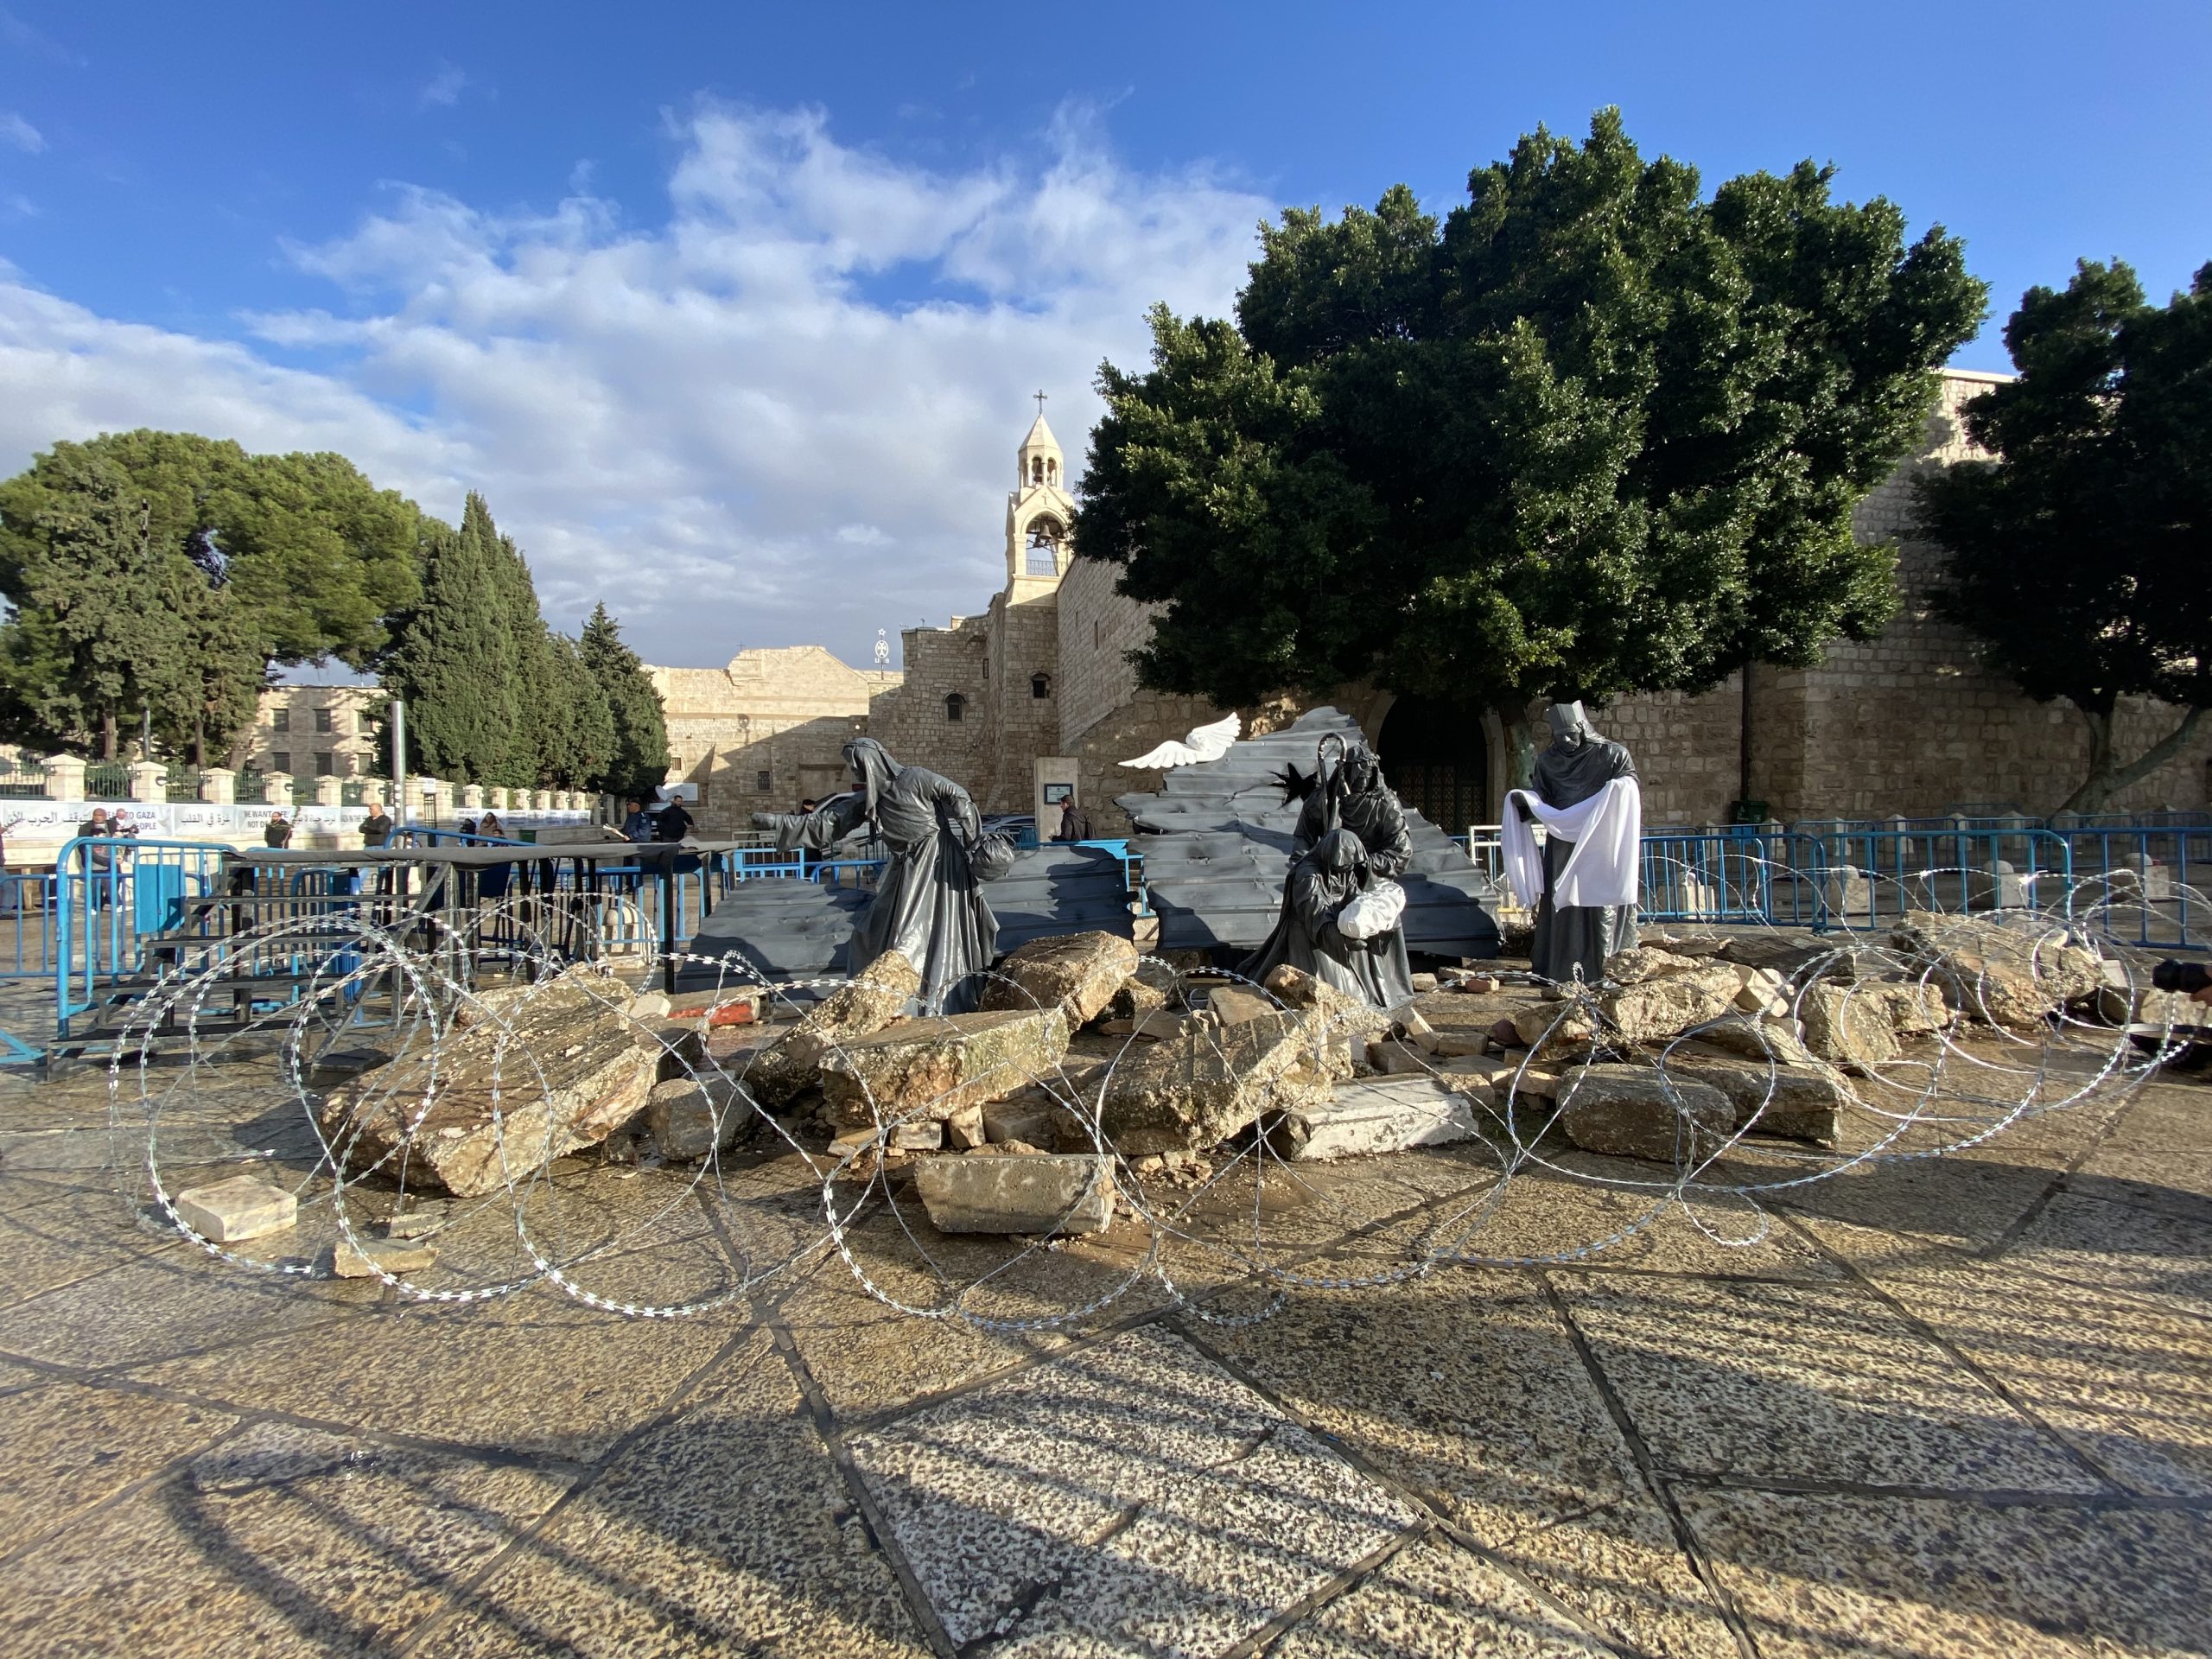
x,y
1078,972
1371,1117
1300,989
921,1134
1196,1090
558,1069
1654,1009
690,1117
1778,1036
241,1208
1139,995
1800,1102
1552,1027
1909,1007
1029,1192
936,1066
1232,1005
1030,1116
1634,1111
778,1063
1634,966
965,1129
2016,973
1847,1028
368,1258
1153,1026
1395,1060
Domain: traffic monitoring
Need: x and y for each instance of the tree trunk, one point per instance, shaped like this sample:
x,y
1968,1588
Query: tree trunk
x,y
1521,745
198,743
2108,777
107,736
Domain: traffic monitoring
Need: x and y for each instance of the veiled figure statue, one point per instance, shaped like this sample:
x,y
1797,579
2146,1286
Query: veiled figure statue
x,y
1584,892
929,904
1351,797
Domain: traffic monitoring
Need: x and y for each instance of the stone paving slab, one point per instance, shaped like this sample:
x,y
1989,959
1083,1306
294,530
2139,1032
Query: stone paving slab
x,y
1954,1406
1131,1497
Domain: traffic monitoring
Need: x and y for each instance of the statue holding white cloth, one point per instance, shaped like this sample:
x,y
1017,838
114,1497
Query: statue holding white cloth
x,y
1582,887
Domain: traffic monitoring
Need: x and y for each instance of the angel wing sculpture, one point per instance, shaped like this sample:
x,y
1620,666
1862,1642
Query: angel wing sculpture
x,y
1205,743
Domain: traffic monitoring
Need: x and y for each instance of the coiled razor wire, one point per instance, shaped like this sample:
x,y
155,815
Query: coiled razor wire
x,y
499,999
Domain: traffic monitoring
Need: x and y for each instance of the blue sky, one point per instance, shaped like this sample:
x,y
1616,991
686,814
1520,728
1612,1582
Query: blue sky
x,y
730,310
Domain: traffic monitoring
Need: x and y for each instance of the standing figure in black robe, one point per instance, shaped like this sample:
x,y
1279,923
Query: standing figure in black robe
x,y
1577,764
1353,797
928,905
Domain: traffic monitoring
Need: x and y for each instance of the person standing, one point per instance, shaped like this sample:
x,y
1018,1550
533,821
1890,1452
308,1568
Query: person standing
x,y
377,828
675,823
637,823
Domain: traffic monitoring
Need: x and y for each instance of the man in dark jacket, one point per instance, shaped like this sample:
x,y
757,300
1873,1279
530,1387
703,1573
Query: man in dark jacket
x,y
675,823
637,824
377,828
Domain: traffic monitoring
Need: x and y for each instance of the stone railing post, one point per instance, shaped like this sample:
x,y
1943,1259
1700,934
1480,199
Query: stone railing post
x,y
149,782
330,791
277,788
65,777
542,800
218,786
496,798
472,798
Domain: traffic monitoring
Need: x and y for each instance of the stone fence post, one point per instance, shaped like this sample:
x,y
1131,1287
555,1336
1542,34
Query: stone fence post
x,y
277,788
330,791
219,785
542,800
65,777
149,782
472,798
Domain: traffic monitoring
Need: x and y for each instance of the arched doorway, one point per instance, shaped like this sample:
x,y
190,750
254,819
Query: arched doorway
x,y
1434,756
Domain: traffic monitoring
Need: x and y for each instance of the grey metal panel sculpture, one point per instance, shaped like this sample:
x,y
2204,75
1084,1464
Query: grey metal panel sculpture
x,y
801,930
1217,841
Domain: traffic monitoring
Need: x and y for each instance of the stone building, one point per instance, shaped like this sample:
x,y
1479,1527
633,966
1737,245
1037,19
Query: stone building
x,y
1039,686
315,731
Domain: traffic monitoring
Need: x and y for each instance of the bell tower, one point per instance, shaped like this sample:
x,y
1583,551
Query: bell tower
x,y
1039,512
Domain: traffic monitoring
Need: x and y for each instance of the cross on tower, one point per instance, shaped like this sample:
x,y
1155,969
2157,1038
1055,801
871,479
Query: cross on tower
x,y
1040,404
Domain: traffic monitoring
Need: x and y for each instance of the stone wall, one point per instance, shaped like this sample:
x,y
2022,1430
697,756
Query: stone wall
x,y
765,731
912,720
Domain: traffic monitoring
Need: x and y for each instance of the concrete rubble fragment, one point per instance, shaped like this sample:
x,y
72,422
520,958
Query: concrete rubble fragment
x,y
559,1071
1634,1111
1379,1116
1802,1103
690,1117
1076,973
941,1065
243,1207
1196,1090
1029,1193
368,1258
2016,972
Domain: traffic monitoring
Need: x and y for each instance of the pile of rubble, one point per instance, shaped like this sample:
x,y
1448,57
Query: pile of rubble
x,y
1084,1058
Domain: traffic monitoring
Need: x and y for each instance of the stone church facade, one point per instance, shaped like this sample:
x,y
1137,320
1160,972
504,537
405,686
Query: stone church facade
x,y
1037,690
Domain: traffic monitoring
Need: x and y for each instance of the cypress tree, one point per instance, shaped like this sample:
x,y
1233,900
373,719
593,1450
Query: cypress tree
x,y
455,660
638,763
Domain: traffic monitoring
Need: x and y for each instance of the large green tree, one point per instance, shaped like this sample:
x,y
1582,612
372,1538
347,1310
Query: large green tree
x,y
453,663
2079,554
639,762
1592,433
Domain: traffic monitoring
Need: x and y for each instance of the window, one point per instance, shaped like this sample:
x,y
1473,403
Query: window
x,y
956,707
326,764
762,781
1040,685
280,761
322,725
281,721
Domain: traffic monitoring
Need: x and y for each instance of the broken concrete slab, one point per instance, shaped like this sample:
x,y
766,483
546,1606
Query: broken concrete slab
x,y
1847,1027
1232,1005
556,1071
2016,973
228,1212
690,1117
936,1066
1380,1116
1635,1111
1196,1090
1665,1003
1802,1103
1029,1192
1076,973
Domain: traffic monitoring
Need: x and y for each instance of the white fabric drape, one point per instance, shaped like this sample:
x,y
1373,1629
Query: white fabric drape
x,y
1607,831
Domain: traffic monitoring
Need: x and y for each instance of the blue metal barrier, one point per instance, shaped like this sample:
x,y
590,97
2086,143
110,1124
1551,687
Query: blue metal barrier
x,y
110,894
1704,877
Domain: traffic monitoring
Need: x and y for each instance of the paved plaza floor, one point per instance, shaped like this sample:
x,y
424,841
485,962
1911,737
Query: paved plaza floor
x,y
1958,1406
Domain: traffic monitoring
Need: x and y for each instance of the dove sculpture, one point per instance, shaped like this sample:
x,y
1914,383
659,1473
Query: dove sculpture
x,y
1205,743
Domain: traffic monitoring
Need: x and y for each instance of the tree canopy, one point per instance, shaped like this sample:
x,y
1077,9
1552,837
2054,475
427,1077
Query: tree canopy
x,y
1591,433
2078,554
638,761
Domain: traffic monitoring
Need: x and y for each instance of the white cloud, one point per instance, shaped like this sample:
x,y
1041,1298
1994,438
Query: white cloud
x,y
443,88
724,425
20,133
